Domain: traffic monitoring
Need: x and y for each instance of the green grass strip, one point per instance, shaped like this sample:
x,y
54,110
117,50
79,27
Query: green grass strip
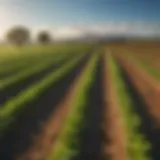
x,y
30,71
15,55
30,60
11,108
137,145
22,60
27,63
155,72
150,69
68,141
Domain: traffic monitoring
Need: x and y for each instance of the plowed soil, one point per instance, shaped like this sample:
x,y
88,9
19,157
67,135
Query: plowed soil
x,y
148,88
91,136
11,91
29,123
148,125
115,143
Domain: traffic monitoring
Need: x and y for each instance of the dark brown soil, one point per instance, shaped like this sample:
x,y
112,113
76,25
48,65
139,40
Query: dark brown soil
x,y
45,141
113,126
146,86
11,91
148,125
91,135
29,122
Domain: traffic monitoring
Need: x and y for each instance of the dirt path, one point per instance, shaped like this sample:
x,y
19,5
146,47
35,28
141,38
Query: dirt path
x,y
31,121
151,59
147,86
115,144
147,128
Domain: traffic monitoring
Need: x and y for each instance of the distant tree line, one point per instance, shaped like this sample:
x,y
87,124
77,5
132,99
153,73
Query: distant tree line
x,y
20,35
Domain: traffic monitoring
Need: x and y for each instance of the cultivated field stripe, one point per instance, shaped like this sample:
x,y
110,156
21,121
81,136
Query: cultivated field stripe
x,y
91,135
22,65
66,145
12,107
50,129
20,55
29,71
137,145
147,67
26,61
11,91
146,85
113,123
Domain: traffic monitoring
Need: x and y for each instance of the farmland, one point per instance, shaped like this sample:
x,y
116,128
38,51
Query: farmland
x,y
80,101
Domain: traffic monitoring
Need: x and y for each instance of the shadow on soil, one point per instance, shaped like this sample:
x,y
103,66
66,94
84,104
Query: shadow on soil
x,y
148,129
11,91
17,69
91,134
20,135
11,72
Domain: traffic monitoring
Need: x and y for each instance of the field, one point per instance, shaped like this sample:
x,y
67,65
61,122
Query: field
x,y
80,102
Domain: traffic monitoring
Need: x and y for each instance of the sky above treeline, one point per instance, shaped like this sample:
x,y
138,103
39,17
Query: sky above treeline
x,y
69,18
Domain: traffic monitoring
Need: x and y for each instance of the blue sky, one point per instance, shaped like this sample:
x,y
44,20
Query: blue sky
x,y
58,13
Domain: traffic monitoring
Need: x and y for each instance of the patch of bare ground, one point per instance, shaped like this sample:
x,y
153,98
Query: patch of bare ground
x,y
146,85
151,58
115,145
46,139
147,127
35,120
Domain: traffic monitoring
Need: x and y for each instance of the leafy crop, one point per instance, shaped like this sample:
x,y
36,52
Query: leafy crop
x,y
11,108
137,146
67,145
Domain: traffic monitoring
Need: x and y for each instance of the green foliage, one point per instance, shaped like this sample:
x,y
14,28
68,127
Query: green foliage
x,y
137,145
11,56
18,35
12,107
68,141
31,70
44,37
33,56
155,72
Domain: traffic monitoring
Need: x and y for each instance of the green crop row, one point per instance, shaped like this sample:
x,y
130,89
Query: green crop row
x,y
67,145
11,108
155,72
137,145
27,63
149,68
22,61
15,55
39,67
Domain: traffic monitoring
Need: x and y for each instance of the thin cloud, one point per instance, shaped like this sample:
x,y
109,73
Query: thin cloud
x,y
109,29
141,29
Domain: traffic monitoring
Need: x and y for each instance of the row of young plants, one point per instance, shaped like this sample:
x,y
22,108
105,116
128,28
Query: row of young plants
x,y
34,53
153,71
137,145
146,66
32,70
68,142
8,70
11,108
29,62
23,61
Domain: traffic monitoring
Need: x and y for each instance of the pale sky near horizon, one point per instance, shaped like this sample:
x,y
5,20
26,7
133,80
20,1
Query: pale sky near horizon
x,y
70,17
